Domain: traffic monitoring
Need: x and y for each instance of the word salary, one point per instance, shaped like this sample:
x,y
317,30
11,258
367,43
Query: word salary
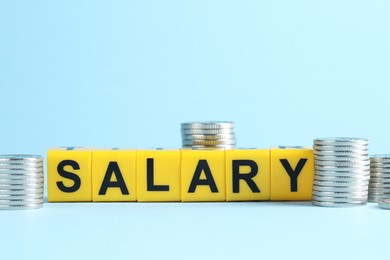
x,y
114,175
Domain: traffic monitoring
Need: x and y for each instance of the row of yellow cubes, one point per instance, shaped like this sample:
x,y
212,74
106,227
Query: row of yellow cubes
x,y
85,174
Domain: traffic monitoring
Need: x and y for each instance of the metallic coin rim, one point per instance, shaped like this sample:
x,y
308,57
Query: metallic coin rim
x,y
20,201
21,192
338,189
207,125
340,139
348,163
341,153
340,198
342,168
337,204
209,137
207,131
340,149
22,207
21,157
341,158
341,173
341,183
208,143
384,203
339,194
340,178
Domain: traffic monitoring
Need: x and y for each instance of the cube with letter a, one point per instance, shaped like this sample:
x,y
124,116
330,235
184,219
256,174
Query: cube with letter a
x,y
203,175
114,175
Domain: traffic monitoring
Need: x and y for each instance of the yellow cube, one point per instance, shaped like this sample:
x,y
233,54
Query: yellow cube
x,y
203,175
114,175
248,174
158,175
69,174
292,173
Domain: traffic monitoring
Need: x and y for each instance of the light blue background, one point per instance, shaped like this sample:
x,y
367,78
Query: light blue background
x,y
127,73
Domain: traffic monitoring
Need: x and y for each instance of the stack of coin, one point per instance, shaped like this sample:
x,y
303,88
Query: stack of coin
x,y
21,181
379,164
384,203
342,172
208,135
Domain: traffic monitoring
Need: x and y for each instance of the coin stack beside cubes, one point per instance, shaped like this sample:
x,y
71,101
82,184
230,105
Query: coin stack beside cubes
x,y
385,178
384,203
21,182
378,164
209,135
342,172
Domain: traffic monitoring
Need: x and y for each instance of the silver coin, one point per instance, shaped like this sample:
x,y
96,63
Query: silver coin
x,y
20,201
22,163
207,125
22,207
7,168
324,148
384,203
379,165
376,176
341,183
363,163
340,140
375,194
380,157
375,185
337,204
20,196
20,177
350,147
341,178
21,191
374,182
212,147
21,171
21,181
346,174
346,153
375,179
20,186
207,131
341,158
342,173
340,188
209,137
375,189
339,194
343,198
209,142
357,168
21,157
375,172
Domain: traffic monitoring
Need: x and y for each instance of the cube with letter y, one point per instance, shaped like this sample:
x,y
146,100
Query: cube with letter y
x,y
69,174
292,173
